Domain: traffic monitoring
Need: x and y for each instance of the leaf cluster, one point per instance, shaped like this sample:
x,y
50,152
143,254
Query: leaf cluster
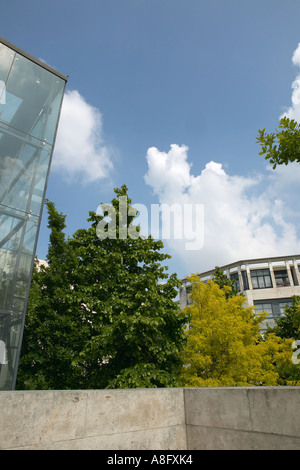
x,y
222,280
283,146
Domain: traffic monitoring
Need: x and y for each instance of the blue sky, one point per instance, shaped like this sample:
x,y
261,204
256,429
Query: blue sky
x,y
175,90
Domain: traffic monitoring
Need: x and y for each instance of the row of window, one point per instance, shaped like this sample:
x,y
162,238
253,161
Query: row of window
x,y
261,279
274,309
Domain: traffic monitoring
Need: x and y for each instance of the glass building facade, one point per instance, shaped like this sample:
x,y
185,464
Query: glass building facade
x,y
31,95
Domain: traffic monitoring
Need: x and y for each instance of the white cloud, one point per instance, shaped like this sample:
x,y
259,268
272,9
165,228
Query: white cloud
x,y
174,164
80,153
296,56
293,112
243,217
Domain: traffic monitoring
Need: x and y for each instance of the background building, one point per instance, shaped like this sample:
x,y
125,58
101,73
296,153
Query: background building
x,y
267,283
31,95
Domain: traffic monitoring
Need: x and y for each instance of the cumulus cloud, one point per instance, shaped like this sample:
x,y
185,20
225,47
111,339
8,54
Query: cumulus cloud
x,y
293,112
80,153
244,217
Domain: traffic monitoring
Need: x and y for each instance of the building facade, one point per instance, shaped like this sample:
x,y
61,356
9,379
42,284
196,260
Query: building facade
x,y
31,95
267,283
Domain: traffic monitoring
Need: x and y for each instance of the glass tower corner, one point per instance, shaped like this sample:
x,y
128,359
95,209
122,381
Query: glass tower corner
x,y
31,96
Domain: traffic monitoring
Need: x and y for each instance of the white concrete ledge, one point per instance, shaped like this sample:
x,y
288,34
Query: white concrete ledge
x,y
153,419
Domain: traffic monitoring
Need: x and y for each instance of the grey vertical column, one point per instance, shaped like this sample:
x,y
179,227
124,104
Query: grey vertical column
x,y
240,278
297,273
288,269
272,274
183,295
249,277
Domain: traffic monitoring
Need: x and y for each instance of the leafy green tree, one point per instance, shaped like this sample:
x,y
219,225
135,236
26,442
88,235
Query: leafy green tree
x,y
282,146
55,327
224,345
103,315
222,280
288,326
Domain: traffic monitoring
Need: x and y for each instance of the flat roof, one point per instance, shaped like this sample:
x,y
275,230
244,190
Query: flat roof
x,y
33,59
271,259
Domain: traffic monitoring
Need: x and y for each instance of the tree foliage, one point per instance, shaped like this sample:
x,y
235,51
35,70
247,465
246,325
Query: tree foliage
x,y
283,146
224,346
102,314
222,280
288,327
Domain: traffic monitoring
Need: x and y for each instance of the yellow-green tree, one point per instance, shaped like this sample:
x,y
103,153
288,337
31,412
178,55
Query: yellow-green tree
x,y
225,347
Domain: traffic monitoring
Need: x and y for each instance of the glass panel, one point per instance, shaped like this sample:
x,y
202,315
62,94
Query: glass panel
x,y
34,99
261,278
268,309
282,306
12,105
6,59
28,120
245,280
264,307
268,282
235,277
261,282
282,278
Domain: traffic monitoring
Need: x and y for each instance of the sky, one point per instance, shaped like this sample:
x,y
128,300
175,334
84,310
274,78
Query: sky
x,y
167,97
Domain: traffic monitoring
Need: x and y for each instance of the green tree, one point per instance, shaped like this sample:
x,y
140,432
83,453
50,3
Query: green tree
x,y
106,308
55,327
283,146
288,326
224,346
222,280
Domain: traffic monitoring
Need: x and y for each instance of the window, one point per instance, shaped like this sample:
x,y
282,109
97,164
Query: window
x,y
282,278
235,277
261,278
282,306
188,291
264,307
273,307
245,280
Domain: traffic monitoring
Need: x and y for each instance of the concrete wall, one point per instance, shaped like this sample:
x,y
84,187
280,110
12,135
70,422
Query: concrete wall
x,y
264,418
93,419
155,419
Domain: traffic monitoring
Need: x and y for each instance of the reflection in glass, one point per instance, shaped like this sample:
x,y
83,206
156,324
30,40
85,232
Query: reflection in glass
x,y
28,121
